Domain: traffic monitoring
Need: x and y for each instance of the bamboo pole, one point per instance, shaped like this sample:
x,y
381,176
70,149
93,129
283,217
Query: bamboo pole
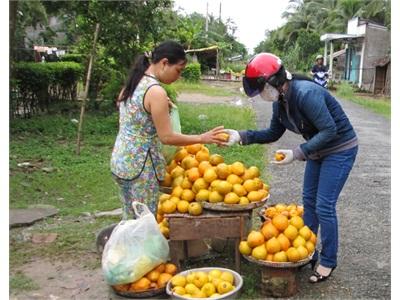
x,y
85,95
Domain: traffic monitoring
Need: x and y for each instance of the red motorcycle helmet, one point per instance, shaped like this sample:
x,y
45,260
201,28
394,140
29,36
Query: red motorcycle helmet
x,y
263,68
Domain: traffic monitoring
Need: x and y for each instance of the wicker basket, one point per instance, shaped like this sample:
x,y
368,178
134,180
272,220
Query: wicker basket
x,y
234,207
140,295
279,264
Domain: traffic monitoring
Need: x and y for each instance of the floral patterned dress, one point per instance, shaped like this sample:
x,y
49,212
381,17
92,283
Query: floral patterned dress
x,y
137,163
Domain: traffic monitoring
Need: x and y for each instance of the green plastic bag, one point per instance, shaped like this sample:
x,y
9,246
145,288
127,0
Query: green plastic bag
x,y
167,150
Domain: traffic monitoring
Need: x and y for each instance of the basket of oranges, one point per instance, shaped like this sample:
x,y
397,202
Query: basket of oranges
x,y
282,241
215,283
152,284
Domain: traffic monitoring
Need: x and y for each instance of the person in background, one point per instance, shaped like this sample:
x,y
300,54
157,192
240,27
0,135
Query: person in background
x,y
137,163
330,149
319,66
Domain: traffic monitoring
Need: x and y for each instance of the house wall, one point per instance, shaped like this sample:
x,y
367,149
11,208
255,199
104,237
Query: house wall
x,y
377,45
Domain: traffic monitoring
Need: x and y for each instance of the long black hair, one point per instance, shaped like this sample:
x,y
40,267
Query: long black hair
x,y
171,50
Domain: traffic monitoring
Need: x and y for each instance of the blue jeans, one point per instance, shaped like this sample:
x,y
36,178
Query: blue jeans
x,y
323,182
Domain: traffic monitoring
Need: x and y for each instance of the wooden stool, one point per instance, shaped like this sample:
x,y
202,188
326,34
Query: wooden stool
x,y
278,282
184,227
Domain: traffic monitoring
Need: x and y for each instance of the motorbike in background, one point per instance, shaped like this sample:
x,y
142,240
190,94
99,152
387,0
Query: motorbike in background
x,y
321,78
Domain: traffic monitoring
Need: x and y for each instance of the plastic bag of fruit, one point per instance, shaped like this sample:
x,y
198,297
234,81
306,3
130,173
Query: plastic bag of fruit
x,y
134,248
167,150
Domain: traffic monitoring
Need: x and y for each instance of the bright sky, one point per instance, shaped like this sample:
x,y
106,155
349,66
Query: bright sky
x,y
252,17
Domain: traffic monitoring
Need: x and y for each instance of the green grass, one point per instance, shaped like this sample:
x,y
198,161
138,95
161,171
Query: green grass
x,y
379,105
206,88
22,282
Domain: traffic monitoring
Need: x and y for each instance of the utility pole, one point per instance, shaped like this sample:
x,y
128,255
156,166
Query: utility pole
x,y
207,20
220,5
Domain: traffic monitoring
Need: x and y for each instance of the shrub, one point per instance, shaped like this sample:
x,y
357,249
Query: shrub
x,y
78,58
192,72
345,90
38,84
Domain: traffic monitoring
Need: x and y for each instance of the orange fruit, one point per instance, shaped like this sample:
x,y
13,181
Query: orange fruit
x,y
238,168
210,175
168,207
172,165
153,275
223,137
270,257
234,179
164,278
231,198
259,252
203,166
199,184
193,149
160,268
284,241
279,156
177,172
186,183
193,174
273,245
291,232
254,171
177,181
280,257
239,190
183,206
163,197
292,254
250,185
223,187
313,238
297,222
170,268
202,155
195,208
244,248
299,241
255,238
223,171
247,175
177,191
187,195
180,155
216,159
243,200
302,251
280,222
305,232
167,180
215,197
269,231
140,285
189,162
254,196
202,195
310,247
270,212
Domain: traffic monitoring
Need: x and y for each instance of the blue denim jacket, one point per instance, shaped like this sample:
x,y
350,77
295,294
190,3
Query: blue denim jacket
x,y
310,110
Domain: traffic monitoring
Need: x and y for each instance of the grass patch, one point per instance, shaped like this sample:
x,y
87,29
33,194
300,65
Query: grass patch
x,y
22,282
379,105
205,88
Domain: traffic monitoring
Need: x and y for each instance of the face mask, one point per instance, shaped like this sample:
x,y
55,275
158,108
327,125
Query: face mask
x,y
269,93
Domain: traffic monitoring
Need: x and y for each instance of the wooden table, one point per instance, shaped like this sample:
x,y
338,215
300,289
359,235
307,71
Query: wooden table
x,y
184,227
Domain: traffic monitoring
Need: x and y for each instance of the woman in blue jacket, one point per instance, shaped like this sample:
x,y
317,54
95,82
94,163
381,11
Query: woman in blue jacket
x,y
330,149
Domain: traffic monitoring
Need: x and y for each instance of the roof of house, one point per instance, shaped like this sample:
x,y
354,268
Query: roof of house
x,y
339,36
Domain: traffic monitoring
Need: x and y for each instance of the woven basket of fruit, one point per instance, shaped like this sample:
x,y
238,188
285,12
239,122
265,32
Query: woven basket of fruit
x,y
234,207
283,240
272,264
150,285
215,283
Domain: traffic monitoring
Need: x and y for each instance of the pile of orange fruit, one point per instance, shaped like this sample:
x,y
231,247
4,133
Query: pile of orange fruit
x,y
196,175
283,237
155,279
